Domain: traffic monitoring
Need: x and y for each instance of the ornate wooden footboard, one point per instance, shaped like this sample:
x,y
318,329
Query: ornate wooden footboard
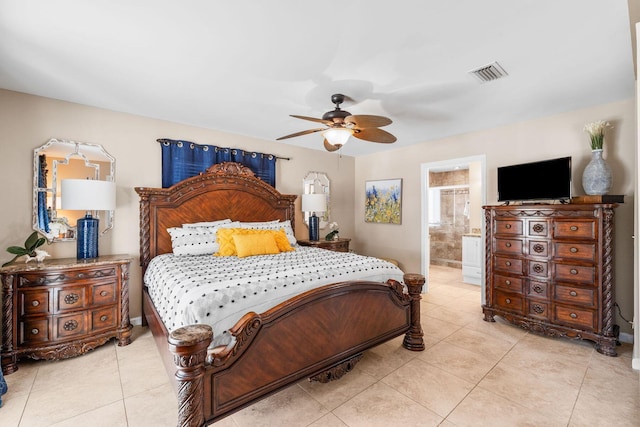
x,y
319,334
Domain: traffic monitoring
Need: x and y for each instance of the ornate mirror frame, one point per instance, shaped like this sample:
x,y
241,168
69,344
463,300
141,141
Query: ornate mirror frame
x,y
64,159
318,183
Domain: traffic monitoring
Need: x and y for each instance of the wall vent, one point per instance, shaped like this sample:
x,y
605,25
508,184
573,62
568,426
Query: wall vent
x,y
489,72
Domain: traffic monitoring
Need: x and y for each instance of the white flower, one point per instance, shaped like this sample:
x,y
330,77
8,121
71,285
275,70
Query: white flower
x,y
596,133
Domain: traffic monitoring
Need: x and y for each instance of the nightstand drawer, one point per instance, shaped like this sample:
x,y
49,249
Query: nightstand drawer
x,y
69,298
70,326
34,331
103,294
104,318
33,302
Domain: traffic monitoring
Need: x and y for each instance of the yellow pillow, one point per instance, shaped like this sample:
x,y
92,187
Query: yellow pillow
x,y
224,237
255,244
281,240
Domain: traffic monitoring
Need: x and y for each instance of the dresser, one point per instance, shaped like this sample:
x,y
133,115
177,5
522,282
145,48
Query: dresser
x,y
550,270
63,307
339,245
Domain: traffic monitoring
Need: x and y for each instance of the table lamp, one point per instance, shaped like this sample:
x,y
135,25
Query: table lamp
x,y
314,203
87,195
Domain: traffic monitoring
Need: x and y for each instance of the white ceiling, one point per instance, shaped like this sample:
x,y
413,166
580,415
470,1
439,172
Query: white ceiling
x,y
244,66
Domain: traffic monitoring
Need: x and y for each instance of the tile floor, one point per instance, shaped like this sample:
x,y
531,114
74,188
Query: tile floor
x,y
473,373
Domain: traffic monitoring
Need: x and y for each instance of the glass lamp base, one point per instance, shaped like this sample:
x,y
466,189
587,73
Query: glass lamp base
x,y
87,237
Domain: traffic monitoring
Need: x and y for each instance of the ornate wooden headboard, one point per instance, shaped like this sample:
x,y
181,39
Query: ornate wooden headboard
x,y
225,190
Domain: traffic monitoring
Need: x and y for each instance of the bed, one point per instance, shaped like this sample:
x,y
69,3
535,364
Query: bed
x,y
318,334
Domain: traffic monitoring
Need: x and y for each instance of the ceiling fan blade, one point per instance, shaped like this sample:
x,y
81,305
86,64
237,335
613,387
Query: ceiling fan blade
x,y
374,135
304,132
330,147
368,121
313,119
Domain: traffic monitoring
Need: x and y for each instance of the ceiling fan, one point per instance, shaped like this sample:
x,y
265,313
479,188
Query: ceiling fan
x,y
341,125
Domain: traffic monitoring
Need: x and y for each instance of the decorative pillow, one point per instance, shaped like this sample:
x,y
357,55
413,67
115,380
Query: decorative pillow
x,y
227,246
193,241
286,225
207,224
255,244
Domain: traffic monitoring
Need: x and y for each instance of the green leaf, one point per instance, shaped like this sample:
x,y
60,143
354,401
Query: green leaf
x,y
9,262
17,250
31,241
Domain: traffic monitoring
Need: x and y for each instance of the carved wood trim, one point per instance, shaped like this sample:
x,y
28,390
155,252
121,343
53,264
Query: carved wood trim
x,y
338,371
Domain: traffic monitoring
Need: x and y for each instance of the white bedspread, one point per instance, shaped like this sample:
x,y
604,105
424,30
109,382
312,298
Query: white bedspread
x,y
218,291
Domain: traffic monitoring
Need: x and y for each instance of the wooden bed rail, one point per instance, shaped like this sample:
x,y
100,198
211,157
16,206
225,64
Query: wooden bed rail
x,y
196,374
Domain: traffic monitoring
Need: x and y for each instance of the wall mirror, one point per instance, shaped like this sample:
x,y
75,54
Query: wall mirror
x,y
60,159
318,183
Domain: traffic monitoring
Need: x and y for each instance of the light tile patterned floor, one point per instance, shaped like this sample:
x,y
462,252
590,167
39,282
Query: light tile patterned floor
x,y
473,373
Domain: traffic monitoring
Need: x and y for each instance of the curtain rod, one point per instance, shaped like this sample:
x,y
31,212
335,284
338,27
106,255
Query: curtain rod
x,y
169,141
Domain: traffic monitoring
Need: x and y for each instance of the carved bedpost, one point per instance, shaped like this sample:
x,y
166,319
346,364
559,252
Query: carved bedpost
x,y
189,347
413,340
124,332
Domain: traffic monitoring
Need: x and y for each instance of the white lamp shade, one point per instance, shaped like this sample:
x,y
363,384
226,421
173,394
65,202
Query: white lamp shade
x,y
338,136
314,203
88,195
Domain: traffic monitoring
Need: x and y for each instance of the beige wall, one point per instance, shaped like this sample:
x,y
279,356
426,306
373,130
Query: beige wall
x,y
556,136
26,122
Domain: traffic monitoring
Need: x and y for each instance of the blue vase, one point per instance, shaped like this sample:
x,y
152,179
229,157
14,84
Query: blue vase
x,y
596,178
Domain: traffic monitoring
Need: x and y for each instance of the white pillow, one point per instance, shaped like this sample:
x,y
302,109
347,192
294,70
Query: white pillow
x,y
196,240
271,225
207,224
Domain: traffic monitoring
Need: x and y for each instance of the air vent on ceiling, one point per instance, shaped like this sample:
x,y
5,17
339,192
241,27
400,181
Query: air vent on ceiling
x,y
489,72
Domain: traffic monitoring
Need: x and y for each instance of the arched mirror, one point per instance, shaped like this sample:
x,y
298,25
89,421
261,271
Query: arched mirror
x,y
60,159
318,183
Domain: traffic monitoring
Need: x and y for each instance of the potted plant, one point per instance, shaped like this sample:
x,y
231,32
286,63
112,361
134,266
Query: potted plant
x,y
30,249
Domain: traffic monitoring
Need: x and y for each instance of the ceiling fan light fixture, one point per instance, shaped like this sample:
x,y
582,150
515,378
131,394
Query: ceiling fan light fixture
x,y
337,136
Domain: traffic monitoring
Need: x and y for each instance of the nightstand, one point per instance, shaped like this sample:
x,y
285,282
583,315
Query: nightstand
x,y
62,308
340,245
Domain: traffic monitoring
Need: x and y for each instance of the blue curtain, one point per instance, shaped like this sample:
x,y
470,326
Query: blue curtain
x,y
184,159
43,214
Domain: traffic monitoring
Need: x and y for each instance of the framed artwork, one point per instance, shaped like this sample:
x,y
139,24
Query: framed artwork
x,y
383,201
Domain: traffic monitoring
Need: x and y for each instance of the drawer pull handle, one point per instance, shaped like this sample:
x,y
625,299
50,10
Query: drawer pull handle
x,y
538,268
574,271
104,293
35,303
508,244
574,228
71,298
573,250
538,228
538,289
538,308
103,318
538,248
80,275
573,316
507,282
573,293
35,331
508,263
508,226
70,325
508,300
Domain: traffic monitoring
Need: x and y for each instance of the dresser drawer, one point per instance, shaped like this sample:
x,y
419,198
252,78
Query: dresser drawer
x,y
575,229
538,269
512,227
538,309
40,278
104,294
34,331
537,289
581,318
508,246
539,228
33,302
585,297
538,248
70,298
511,302
71,325
575,273
509,265
510,284
104,318
577,251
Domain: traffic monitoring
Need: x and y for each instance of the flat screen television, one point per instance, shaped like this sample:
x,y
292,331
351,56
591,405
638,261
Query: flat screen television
x,y
543,180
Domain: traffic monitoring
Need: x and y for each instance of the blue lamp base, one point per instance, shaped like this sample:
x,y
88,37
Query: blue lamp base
x,y
87,237
314,227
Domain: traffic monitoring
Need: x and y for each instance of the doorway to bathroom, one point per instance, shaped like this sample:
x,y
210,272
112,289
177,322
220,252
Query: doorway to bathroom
x,y
453,193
